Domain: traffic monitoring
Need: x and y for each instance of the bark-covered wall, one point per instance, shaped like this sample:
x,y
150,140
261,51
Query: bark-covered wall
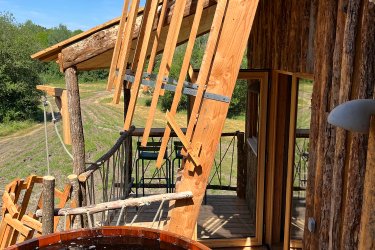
x,y
282,36
344,70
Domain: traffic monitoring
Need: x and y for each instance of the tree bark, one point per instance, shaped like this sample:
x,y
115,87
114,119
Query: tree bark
x,y
319,175
74,198
48,204
337,169
367,231
76,129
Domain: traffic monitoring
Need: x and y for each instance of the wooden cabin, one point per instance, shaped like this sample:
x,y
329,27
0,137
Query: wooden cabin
x,y
297,186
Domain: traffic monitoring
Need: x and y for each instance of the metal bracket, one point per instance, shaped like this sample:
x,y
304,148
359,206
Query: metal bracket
x,y
189,88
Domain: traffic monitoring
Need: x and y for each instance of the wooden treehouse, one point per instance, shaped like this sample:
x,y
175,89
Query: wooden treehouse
x,y
289,179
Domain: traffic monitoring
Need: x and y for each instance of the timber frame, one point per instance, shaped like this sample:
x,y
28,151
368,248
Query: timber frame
x,y
331,42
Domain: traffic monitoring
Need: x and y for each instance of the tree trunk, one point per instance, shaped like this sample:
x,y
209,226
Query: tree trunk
x,y
76,129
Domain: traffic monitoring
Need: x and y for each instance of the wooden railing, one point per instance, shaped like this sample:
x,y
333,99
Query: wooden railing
x,y
301,161
108,178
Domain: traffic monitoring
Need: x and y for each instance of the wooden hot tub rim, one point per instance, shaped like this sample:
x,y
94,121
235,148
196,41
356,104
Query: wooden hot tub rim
x,y
141,232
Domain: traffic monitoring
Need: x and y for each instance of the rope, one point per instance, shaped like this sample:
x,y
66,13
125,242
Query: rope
x,y
56,130
157,213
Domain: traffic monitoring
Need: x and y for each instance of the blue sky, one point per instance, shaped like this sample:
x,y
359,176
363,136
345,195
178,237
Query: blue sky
x,y
78,14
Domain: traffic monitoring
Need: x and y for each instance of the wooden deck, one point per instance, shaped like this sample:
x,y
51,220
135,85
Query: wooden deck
x,y
223,216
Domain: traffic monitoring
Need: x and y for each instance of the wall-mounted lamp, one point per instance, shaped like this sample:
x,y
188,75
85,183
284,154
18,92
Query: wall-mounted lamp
x,y
353,115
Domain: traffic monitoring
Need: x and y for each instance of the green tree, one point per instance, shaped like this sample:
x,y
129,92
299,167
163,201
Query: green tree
x,y
18,73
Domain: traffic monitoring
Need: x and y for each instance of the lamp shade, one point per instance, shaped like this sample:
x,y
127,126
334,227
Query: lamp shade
x,y
353,115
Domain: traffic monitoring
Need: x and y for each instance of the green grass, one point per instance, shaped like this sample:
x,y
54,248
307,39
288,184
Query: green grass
x,y
304,104
9,128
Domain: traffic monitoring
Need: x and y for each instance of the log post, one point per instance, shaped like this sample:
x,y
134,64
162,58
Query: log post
x,y
48,204
367,231
76,128
241,166
74,197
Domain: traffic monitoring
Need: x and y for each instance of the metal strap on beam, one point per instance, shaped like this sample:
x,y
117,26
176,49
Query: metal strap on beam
x,y
169,85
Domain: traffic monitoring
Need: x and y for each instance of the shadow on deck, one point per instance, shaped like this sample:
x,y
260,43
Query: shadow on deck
x,y
223,216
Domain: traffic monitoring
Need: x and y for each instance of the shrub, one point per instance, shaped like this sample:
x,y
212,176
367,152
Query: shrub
x,y
167,99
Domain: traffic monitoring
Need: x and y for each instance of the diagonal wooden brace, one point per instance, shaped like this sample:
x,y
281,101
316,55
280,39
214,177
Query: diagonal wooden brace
x,y
192,153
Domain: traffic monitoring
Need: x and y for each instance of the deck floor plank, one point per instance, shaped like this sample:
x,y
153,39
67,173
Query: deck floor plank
x,y
222,217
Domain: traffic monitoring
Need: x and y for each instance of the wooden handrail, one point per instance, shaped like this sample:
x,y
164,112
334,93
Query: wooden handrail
x,y
101,207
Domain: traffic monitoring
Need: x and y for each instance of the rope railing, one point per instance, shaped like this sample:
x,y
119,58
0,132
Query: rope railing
x,y
108,178
98,164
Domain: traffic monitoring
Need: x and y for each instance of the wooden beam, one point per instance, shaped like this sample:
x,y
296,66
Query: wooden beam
x,y
184,71
291,153
61,100
156,37
67,137
96,50
122,61
239,16
117,49
165,64
132,202
139,67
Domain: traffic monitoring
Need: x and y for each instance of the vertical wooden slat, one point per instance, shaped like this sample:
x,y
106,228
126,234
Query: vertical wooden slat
x,y
141,35
206,64
125,51
115,56
165,65
140,65
291,155
181,79
65,118
156,41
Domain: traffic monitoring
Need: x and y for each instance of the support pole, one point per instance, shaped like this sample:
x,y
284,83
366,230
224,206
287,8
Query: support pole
x,y
128,145
241,166
74,197
76,129
367,231
48,204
